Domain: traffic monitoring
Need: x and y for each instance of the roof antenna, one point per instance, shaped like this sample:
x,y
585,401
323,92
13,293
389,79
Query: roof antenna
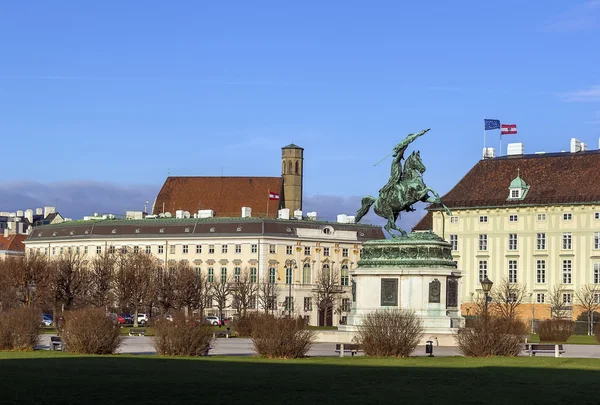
x,y
168,172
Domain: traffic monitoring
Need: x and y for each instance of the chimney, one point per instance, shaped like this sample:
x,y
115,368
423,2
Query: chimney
x,y
48,211
39,211
6,232
29,215
20,213
246,212
20,229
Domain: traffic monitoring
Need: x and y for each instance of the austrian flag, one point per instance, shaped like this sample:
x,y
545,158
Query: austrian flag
x,y
508,129
273,196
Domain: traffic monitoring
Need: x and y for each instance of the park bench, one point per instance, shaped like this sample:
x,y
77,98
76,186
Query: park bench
x,y
221,333
56,343
533,348
351,348
137,332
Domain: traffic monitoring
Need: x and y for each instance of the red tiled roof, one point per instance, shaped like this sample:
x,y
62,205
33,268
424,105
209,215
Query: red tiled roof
x,y
555,178
224,195
425,224
13,243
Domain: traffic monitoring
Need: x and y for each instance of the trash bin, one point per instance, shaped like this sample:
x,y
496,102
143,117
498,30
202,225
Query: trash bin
x,y
429,348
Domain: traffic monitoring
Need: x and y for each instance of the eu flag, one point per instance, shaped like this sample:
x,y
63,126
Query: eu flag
x,y
491,124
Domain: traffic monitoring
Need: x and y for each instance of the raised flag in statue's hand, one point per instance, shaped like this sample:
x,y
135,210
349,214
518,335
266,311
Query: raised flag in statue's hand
x,y
491,124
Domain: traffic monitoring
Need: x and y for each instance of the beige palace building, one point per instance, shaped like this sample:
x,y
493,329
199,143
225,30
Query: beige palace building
x,y
530,219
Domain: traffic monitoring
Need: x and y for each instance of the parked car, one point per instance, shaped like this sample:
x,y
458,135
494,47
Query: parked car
x,y
128,318
46,320
213,320
142,319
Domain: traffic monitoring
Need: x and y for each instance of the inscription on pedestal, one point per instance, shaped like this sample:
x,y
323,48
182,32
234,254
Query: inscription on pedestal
x,y
389,292
451,292
434,291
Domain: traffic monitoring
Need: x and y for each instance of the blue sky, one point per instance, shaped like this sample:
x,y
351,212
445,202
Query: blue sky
x,y
117,94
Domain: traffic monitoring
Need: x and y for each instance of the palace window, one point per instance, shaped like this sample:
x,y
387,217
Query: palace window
x,y
540,271
197,269
148,249
289,275
513,241
223,274
483,268
596,240
345,252
306,273
567,275
596,215
567,216
224,249
566,241
454,220
211,275
253,248
567,298
512,271
541,217
596,273
211,249
98,250
237,272
307,250
172,249
136,249
307,304
198,249
483,218
540,241
513,218
454,242
272,275
483,242
253,275
325,251
238,248
289,250
184,249
345,278
346,304
540,298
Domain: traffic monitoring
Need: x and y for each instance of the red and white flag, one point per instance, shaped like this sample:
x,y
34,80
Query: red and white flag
x,y
273,196
508,129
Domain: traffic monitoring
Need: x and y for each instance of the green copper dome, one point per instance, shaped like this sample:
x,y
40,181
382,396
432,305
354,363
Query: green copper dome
x,y
518,182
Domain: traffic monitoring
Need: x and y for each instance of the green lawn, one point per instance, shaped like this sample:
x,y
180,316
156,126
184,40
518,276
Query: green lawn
x,y
573,339
46,377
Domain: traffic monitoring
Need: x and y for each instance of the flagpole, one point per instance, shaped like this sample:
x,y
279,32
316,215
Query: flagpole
x,y
500,141
484,146
268,200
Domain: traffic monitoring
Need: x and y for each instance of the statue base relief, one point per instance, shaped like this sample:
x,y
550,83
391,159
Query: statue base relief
x,y
416,273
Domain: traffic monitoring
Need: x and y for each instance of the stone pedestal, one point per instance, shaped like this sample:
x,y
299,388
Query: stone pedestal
x,y
415,273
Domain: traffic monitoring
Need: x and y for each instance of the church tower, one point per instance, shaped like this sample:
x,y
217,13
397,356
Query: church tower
x,y
292,169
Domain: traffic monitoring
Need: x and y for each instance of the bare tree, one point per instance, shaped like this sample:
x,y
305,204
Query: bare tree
x,y
28,278
102,274
588,297
192,288
244,291
507,297
220,291
136,280
166,289
327,292
267,294
558,307
71,280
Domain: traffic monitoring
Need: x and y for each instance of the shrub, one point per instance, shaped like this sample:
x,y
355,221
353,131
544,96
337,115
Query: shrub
x,y
390,332
90,331
492,336
287,338
581,324
555,330
242,326
597,332
20,329
182,337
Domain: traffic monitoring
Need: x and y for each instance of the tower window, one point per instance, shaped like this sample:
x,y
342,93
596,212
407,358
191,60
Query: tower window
x,y
283,167
297,167
290,167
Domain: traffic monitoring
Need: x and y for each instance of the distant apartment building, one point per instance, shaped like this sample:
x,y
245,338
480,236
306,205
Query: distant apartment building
x,y
22,222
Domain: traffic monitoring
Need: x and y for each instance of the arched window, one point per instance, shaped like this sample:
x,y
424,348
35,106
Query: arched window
x,y
306,274
345,279
290,167
297,167
326,271
283,167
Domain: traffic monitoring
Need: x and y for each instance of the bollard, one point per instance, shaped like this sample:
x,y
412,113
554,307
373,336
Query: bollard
x,y
341,350
556,352
429,348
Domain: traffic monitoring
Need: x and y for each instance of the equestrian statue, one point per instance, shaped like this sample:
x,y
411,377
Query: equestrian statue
x,y
404,188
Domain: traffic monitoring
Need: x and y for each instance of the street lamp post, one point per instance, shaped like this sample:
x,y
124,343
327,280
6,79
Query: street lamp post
x,y
486,286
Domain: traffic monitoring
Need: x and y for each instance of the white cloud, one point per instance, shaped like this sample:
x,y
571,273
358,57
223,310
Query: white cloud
x,y
590,94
